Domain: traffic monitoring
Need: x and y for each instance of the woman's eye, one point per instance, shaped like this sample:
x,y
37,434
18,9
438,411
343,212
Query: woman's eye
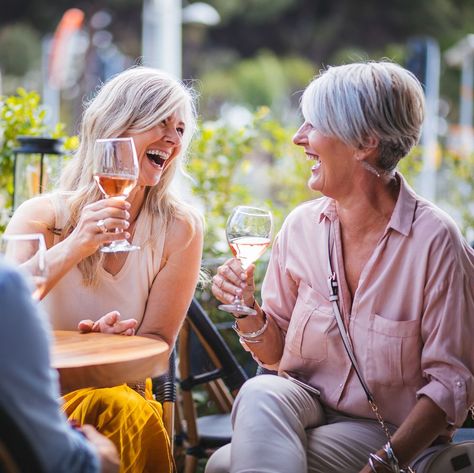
x,y
180,131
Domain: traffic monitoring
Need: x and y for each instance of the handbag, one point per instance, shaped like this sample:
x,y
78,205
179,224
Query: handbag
x,y
457,457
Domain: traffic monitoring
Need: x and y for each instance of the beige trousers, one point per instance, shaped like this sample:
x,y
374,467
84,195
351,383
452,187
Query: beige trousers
x,y
281,427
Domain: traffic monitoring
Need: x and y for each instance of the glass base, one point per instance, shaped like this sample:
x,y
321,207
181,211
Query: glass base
x,y
118,247
237,309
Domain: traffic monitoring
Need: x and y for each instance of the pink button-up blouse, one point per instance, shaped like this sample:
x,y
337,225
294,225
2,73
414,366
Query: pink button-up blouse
x,y
411,322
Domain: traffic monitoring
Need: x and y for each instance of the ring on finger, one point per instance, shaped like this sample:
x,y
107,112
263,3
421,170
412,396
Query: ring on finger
x,y
101,225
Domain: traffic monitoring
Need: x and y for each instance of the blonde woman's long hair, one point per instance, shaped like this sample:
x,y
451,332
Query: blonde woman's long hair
x,y
134,101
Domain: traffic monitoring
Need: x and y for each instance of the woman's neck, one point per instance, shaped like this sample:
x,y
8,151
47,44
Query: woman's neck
x,y
370,206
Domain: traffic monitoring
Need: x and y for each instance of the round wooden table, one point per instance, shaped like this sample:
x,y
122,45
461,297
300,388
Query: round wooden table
x,y
104,360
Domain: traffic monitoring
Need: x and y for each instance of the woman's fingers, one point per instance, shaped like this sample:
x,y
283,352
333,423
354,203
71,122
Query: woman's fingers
x,y
111,203
231,280
85,326
232,271
109,323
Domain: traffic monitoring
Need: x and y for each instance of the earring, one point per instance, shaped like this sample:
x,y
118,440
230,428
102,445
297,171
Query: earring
x,y
370,168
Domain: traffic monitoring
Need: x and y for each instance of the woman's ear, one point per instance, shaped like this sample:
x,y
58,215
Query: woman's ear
x,y
367,150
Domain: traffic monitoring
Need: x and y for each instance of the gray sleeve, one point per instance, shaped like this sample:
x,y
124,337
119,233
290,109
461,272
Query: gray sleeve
x,y
29,389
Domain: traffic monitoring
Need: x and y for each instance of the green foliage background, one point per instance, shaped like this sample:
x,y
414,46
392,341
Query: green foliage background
x,y
22,115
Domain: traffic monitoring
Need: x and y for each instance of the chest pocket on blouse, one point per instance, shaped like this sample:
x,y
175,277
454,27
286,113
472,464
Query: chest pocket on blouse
x,y
311,320
393,352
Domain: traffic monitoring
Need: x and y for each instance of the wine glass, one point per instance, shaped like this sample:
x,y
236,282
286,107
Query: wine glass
x,y
29,252
116,174
248,233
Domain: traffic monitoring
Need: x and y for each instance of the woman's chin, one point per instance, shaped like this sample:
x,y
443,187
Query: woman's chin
x,y
152,179
314,183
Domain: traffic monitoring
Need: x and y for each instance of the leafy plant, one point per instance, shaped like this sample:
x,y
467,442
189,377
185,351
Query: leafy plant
x,y
22,114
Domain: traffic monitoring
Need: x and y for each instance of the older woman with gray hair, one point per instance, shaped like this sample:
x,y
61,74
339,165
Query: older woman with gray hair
x,y
391,264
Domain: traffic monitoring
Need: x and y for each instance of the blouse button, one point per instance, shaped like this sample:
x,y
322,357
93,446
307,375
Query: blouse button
x,y
459,384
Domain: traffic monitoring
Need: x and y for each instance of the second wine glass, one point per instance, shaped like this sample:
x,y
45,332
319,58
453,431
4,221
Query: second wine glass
x,y
116,173
28,251
248,232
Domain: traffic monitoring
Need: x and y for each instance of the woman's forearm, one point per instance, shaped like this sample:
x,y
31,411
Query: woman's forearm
x,y
422,426
269,346
60,259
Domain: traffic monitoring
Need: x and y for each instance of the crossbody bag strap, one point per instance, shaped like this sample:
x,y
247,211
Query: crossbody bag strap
x,y
334,297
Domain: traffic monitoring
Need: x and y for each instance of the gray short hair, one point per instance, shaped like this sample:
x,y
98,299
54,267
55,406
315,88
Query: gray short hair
x,y
360,101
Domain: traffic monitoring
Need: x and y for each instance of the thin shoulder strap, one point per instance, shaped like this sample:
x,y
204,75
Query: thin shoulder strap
x,y
60,216
334,297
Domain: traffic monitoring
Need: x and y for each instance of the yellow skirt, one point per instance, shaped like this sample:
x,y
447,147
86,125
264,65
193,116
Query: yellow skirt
x,y
134,424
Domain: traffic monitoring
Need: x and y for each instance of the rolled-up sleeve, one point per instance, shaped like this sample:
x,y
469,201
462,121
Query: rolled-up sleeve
x,y
447,328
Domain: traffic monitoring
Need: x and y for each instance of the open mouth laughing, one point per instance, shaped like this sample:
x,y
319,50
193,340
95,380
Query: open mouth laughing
x,y
157,157
314,157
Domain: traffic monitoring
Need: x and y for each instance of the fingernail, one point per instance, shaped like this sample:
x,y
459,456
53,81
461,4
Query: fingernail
x,y
127,204
127,224
127,235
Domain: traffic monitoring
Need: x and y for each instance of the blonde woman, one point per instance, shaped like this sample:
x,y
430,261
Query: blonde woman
x,y
145,292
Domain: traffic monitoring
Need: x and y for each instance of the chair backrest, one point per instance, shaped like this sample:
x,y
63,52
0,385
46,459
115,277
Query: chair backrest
x,y
16,451
205,360
209,356
164,389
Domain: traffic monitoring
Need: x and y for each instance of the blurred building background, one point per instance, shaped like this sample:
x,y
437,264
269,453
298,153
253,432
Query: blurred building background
x,y
244,54
256,52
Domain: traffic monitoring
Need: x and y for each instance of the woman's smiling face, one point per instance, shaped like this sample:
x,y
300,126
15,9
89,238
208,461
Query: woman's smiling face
x,y
334,160
157,147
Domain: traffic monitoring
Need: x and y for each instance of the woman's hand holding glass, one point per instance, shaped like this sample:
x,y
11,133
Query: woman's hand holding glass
x,y
233,282
116,172
87,236
248,233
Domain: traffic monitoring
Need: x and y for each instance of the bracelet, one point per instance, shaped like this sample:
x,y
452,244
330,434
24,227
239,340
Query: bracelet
x,y
371,464
391,458
381,461
250,336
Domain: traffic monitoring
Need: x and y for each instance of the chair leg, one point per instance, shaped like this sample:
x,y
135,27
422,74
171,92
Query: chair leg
x,y
190,464
168,421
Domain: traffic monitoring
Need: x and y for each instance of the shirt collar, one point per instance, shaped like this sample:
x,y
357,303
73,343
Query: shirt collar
x,y
403,213
328,211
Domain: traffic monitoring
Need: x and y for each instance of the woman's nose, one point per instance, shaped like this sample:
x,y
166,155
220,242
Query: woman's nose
x,y
172,136
300,136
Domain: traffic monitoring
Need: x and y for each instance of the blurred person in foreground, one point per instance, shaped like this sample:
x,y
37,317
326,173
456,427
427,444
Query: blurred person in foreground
x,y
406,296
147,291
29,390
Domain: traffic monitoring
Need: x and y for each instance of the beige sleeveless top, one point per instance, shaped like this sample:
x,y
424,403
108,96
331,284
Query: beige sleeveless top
x,y
70,301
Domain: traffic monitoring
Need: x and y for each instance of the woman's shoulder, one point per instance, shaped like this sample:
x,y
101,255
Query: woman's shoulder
x,y
37,214
309,211
183,228
433,223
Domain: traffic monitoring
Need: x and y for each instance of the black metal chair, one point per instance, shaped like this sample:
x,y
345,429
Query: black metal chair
x,y
16,452
205,360
164,390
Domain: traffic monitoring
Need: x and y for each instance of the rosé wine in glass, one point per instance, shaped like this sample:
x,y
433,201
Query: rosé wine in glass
x,y
248,231
116,173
